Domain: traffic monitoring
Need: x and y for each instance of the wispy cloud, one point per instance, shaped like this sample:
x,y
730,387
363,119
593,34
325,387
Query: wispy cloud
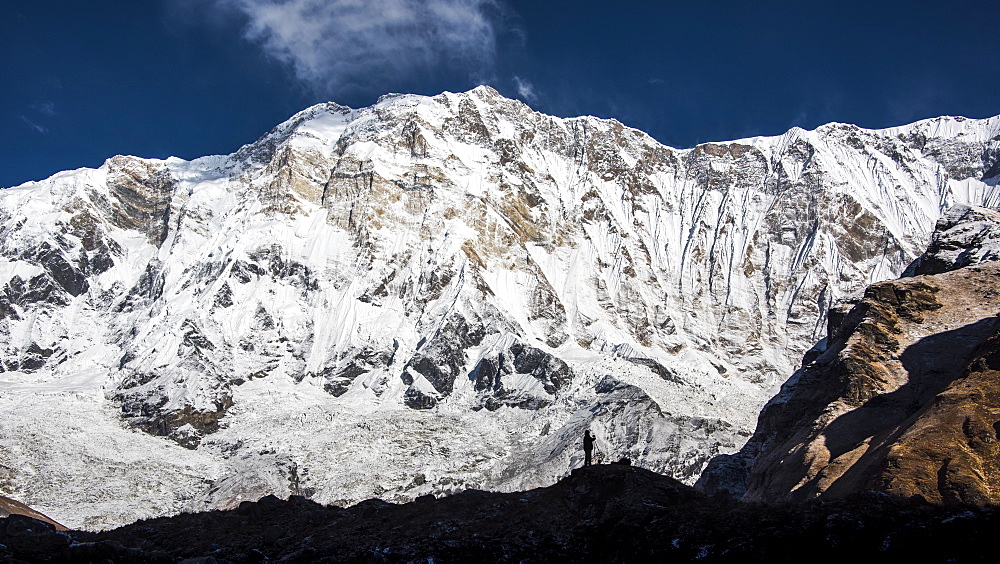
x,y
37,127
41,109
346,46
44,108
525,89
801,119
918,99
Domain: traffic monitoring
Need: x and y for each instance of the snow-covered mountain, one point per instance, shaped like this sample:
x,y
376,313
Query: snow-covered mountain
x,y
433,294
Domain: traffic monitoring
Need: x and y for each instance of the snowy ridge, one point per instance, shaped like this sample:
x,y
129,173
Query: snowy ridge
x,y
432,294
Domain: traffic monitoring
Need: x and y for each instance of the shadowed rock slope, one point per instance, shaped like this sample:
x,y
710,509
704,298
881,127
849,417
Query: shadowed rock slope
x,y
609,513
903,397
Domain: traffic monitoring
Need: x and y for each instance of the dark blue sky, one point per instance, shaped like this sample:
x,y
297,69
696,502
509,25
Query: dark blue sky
x,y
83,81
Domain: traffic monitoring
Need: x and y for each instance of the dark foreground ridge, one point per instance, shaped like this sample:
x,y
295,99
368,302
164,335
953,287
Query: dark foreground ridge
x,y
607,513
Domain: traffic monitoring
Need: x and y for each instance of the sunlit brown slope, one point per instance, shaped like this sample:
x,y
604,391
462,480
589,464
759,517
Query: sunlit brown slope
x,y
10,507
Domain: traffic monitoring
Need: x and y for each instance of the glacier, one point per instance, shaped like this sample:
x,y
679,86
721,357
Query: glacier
x,y
434,294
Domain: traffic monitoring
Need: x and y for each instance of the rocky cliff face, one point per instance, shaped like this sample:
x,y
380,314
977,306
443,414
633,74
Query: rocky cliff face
x,y
436,293
904,399
963,236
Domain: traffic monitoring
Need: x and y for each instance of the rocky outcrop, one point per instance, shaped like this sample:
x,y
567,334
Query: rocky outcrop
x,y
903,397
493,376
963,236
140,196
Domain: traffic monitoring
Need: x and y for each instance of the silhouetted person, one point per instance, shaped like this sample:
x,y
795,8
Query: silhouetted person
x,y
588,447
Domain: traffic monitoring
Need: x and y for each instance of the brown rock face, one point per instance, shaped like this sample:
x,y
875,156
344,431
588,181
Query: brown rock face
x,y
10,507
905,400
